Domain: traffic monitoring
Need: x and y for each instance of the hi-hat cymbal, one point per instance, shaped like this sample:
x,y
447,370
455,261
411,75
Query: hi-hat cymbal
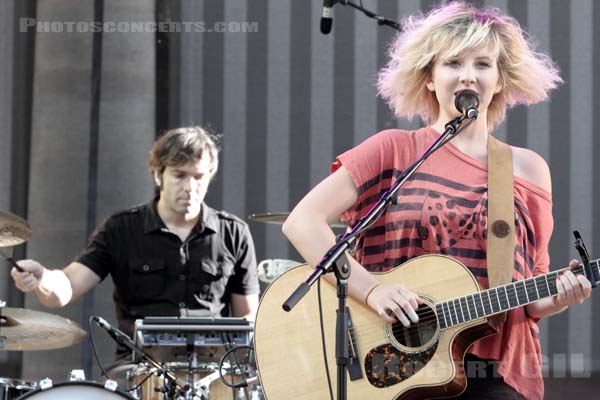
x,y
13,230
279,218
24,330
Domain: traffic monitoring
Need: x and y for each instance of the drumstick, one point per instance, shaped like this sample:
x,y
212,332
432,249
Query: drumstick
x,y
11,261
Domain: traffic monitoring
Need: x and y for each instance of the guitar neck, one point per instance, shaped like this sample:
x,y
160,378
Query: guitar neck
x,y
503,298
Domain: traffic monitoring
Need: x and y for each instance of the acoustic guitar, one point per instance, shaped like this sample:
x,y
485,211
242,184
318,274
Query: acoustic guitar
x,y
389,361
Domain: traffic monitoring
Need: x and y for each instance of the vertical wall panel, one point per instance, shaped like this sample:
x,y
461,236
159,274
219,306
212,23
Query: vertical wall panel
x,y
560,150
234,109
538,115
365,74
7,75
581,159
59,161
191,66
300,84
213,102
277,127
256,119
7,29
321,96
126,132
344,90
595,189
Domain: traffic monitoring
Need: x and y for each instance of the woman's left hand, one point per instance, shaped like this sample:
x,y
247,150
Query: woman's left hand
x,y
572,289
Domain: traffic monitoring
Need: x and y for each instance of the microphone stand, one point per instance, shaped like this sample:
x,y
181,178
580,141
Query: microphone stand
x,y
335,260
125,340
380,20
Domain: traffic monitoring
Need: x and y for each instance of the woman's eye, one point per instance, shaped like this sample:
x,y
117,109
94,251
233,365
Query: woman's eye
x,y
484,64
453,62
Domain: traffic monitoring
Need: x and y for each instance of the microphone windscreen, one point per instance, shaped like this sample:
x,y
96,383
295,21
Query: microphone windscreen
x,y
465,100
326,25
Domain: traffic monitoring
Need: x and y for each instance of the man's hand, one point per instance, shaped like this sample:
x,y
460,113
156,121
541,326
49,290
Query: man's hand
x,y
30,278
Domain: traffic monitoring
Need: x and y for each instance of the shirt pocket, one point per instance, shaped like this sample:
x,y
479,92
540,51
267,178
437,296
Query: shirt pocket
x,y
211,279
148,279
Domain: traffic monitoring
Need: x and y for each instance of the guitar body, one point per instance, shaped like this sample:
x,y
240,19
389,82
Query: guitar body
x,y
289,348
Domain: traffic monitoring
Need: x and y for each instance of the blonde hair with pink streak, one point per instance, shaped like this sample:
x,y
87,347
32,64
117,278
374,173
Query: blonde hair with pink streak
x,y
526,76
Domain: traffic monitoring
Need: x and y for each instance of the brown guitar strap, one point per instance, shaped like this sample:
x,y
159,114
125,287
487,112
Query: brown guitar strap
x,y
501,214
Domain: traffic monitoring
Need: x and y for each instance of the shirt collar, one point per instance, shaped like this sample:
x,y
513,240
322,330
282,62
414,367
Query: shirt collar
x,y
152,221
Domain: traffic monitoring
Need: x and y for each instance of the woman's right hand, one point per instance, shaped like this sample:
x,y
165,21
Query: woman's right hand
x,y
395,301
30,278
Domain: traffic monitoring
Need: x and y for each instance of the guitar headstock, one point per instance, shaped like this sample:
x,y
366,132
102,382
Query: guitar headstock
x,y
591,269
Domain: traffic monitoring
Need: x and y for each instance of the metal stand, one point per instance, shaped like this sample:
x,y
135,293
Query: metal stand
x,y
337,255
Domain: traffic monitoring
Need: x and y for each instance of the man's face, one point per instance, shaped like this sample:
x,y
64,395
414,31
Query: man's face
x,y
183,187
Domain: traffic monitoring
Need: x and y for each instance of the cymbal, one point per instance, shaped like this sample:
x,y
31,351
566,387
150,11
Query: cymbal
x,y
24,330
279,218
13,230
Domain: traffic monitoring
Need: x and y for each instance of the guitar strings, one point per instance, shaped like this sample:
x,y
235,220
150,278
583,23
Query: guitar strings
x,y
427,316
457,315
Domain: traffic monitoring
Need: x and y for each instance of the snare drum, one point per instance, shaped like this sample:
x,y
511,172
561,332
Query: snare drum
x,y
145,377
77,390
10,389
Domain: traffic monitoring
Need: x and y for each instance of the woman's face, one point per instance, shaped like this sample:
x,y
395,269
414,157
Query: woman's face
x,y
473,69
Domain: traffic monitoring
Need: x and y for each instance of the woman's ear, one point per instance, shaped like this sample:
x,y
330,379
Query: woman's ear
x,y
430,86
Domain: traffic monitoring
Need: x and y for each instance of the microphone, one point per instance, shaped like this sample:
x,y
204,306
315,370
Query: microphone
x,y
326,17
467,102
117,335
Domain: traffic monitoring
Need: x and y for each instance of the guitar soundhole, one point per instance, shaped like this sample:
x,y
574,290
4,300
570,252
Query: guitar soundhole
x,y
416,335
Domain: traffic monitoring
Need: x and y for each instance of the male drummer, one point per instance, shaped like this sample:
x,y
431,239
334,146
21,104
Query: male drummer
x,y
174,256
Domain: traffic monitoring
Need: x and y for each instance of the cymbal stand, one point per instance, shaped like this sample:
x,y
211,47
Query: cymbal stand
x,y
192,367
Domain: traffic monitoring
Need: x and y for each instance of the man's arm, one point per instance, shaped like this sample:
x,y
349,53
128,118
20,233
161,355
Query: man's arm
x,y
244,306
54,288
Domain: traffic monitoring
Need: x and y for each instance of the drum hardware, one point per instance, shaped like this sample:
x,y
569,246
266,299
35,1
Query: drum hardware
x,y
11,389
27,330
200,342
76,390
78,375
280,217
270,269
121,338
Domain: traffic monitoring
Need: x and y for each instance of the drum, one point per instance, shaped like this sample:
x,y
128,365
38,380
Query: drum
x,y
77,390
149,384
10,389
270,269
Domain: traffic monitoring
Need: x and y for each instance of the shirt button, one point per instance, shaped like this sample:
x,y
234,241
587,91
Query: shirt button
x,y
182,277
145,267
182,305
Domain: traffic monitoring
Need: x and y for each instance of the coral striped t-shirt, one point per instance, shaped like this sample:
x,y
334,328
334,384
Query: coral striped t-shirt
x,y
442,209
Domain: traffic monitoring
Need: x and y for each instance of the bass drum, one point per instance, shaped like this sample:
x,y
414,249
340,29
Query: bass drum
x,y
80,390
10,389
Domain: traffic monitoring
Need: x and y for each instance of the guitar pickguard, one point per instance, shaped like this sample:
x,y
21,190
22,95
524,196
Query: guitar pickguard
x,y
386,365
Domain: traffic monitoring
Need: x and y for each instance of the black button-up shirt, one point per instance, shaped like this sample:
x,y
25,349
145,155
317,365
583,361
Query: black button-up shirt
x,y
156,274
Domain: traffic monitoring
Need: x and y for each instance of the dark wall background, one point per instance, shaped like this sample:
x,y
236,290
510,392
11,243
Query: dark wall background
x,y
79,112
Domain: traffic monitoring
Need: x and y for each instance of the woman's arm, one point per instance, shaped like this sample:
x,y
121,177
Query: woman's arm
x,y
308,230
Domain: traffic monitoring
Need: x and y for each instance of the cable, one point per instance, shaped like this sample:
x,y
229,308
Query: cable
x,y
92,342
222,361
99,362
323,339
136,387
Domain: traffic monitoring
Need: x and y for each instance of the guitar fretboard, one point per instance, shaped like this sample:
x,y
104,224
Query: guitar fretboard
x,y
503,298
